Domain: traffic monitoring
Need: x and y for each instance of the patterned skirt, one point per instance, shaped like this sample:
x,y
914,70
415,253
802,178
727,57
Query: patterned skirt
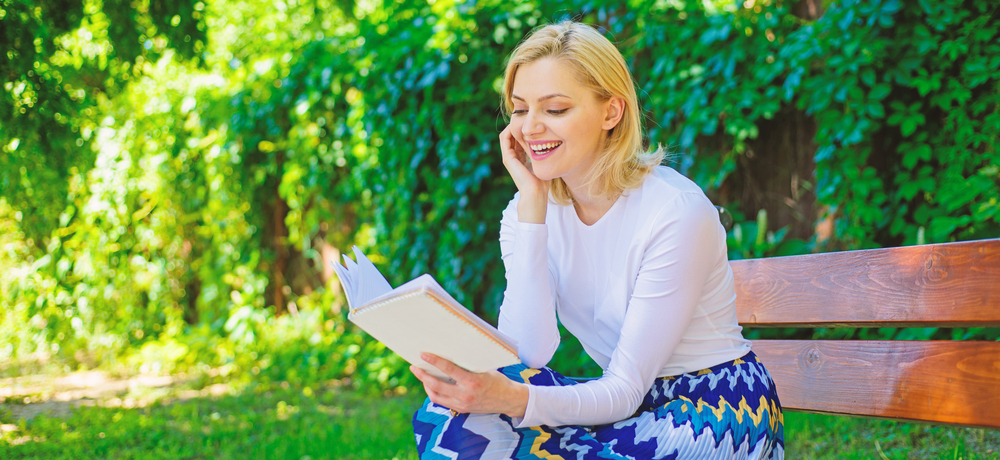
x,y
729,411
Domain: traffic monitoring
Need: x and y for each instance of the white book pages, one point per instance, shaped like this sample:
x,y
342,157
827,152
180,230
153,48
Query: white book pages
x,y
344,276
370,282
428,282
361,280
420,316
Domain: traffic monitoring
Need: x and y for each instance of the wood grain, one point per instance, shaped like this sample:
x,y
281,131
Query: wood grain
x,y
932,381
946,285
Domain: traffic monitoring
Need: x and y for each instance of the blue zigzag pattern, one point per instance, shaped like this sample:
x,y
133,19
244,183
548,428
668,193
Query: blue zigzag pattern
x,y
727,411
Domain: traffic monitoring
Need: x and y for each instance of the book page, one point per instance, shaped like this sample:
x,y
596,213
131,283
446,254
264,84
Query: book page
x,y
420,316
426,281
345,276
371,283
361,280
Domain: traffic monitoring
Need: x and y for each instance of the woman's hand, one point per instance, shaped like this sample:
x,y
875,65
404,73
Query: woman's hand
x,y
534,191
484,393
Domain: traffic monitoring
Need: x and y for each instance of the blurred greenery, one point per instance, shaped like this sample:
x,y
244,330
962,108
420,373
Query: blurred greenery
x,y
176,177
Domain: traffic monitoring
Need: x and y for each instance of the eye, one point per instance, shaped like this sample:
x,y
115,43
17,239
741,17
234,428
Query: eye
x,y
558,112
518,112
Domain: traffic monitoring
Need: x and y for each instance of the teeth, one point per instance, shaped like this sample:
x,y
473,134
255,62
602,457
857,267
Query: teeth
x,y
546,146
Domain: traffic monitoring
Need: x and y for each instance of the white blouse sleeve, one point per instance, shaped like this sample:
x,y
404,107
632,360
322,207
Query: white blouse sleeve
x,y
528,312
673,271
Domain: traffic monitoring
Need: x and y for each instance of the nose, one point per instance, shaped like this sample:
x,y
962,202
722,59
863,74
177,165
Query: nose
x,y
531,126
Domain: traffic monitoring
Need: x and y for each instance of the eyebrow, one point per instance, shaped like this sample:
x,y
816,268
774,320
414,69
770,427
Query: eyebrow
x,y
543,98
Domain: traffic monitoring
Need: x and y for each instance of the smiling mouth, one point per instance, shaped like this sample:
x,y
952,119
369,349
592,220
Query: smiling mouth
x,y
543,149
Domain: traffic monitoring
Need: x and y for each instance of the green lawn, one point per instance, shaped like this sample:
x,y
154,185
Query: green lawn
x,y
290,423
256,423
814,436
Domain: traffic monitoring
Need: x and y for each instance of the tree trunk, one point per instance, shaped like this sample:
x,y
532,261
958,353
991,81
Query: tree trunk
x,y
777,173
279,243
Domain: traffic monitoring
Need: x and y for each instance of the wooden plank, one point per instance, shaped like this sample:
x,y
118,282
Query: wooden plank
x,y
948,382
947,285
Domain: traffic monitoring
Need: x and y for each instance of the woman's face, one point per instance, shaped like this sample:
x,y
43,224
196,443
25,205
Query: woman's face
x,y
559,122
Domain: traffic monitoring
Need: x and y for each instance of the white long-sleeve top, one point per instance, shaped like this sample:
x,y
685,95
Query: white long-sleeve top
x,y
647,290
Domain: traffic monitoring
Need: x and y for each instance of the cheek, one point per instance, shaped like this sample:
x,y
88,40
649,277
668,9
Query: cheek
x,y
515,129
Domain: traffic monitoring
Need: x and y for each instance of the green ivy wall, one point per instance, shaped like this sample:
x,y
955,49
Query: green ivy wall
x,y
173,183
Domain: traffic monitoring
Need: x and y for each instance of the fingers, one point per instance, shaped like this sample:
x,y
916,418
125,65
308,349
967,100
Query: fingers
x,y
432,385
449,368
518,146
515,159
507,147
440,393
511,148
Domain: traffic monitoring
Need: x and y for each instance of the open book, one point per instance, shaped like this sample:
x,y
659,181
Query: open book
x,y
420,316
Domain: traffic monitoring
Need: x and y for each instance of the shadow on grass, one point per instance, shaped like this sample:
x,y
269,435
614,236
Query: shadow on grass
x,y
258,422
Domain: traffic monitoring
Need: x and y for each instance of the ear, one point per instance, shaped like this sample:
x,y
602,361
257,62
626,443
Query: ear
x,y
614,110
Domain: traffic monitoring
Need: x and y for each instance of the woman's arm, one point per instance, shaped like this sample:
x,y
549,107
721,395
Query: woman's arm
x,y
534,191
676,264
675,267
528,312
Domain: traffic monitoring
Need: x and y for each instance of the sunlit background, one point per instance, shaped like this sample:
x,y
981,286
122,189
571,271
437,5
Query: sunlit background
x,y
176,177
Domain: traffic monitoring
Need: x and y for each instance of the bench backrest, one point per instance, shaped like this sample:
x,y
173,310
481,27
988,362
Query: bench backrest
x,y
938,285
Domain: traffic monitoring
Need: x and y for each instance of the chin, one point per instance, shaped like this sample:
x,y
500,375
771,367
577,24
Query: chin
x,y
543,174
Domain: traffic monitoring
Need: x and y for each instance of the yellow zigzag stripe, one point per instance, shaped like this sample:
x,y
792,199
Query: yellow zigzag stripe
x,y
529,373
536,447
776,417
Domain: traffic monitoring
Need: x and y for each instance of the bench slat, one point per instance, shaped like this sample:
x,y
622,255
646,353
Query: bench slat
x,y
948,382
946,285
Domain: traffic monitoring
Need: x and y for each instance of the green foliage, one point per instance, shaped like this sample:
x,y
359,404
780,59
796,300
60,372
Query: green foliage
x,y
61,63
905,101
175,175
752,240
909,139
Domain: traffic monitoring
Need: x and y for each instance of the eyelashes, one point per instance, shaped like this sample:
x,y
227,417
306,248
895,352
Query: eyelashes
x,y
553,112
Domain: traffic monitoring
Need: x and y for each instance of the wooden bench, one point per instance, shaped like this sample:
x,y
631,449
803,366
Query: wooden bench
x,y
937,285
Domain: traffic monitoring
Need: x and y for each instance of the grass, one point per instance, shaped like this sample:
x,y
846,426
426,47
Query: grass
x,y
261,422
814,436
282,422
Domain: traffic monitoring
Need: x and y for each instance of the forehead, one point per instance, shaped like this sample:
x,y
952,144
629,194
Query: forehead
x,y
545,77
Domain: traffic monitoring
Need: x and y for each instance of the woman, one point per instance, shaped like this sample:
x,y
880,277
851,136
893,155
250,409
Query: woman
x,y
632,258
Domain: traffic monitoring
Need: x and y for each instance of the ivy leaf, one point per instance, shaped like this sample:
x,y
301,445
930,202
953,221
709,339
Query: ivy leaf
x,y
875,109
879,92
792,82
845,22
909,189
868,76
943,226
908,126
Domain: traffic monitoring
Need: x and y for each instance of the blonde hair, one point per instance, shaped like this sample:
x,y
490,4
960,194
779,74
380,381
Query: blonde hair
x,y
623,163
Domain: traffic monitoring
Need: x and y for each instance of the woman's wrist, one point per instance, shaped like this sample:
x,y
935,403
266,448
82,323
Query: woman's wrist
x,y
518,400
531,208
